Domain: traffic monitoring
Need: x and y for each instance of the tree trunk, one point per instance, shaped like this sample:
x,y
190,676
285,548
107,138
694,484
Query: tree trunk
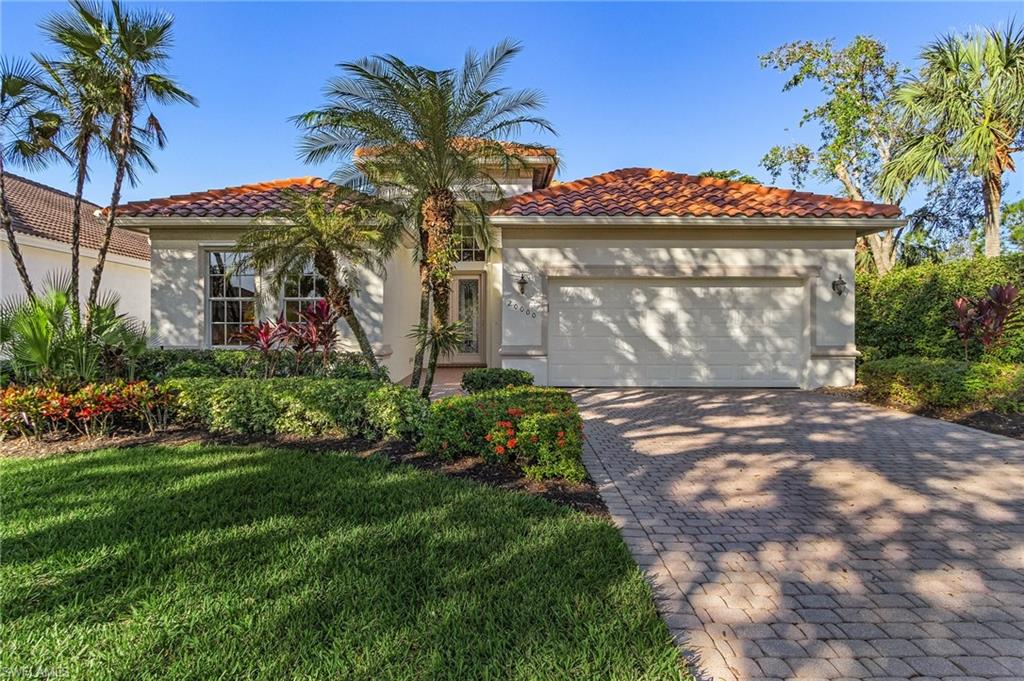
x,y
883,251
12,243
417,361
992,191
439,224
340,299
76,231
121,161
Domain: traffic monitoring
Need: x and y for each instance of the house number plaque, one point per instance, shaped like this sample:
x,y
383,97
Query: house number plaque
x,y
523,308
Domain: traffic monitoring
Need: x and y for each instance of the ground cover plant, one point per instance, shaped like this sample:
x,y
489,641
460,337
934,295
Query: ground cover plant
x,y
224,562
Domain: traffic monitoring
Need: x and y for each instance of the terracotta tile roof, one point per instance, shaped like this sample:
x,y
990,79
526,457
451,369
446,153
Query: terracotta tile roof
x,y
466,142
650,192
46,212
247,200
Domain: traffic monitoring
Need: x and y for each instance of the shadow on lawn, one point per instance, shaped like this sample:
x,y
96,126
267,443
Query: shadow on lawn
x,y
228,561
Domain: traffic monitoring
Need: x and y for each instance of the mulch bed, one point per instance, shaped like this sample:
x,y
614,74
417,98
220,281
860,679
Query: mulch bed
x,y
582,496
1010,425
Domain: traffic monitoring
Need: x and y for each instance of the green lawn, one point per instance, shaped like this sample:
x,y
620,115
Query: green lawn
x,y
223,562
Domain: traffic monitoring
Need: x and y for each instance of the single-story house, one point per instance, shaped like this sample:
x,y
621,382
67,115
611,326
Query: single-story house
x,y
635,277
41,217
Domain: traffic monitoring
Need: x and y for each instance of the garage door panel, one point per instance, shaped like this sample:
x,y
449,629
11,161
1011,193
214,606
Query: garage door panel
x,y
634,333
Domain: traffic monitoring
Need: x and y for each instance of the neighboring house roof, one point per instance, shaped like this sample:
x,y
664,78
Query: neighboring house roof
x,y
45,212
651,192
247,200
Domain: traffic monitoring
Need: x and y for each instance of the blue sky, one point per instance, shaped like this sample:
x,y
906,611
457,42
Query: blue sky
x,y
668,85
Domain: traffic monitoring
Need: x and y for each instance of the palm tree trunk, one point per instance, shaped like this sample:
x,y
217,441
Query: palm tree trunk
x,y
992,191
115,199
339,297
12,243
76,231
417,362
439,224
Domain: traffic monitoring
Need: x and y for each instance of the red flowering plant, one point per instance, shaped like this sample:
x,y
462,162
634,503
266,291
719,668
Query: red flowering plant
x,y
31,411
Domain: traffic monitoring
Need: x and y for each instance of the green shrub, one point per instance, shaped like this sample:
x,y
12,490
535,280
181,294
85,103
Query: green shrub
x,y
160,364
923,382
300,406
491,424
908,311
479,380
396,412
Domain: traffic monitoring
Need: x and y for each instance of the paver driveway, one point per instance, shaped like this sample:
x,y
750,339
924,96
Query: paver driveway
x,y
798,535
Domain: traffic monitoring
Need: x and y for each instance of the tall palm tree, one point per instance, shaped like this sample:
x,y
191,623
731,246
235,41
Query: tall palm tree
x,y
968,102
30,136
85,96
134,48
334,230
426,138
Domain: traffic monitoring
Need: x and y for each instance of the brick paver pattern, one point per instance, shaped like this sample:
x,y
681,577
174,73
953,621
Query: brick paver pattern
x,y
800,535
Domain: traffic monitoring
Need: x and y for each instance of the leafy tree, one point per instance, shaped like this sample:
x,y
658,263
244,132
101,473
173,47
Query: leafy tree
x,y
943,226
858,122
427,139
733,175
966,108
30,136
334,231
133,47
1013,223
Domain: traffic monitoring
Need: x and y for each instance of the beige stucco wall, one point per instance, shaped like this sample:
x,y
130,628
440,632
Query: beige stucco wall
x,y
126,277
178,314
815,256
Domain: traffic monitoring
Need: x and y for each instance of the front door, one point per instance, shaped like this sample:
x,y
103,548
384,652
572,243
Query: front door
x,y
467,307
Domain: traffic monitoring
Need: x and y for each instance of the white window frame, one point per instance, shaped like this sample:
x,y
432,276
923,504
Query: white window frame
x,y
318,280
209,298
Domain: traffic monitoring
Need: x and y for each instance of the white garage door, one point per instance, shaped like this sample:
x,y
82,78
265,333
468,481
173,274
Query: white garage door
x,y
710,332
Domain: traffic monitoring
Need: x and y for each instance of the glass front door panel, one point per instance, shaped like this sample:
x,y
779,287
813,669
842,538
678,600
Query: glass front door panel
x,y
468,311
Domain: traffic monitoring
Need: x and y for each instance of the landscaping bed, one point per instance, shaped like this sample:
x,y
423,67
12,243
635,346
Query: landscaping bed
x,y
142,562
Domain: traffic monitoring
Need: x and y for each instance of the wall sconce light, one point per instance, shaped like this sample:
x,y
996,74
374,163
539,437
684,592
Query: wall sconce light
x,y
840,286
521,282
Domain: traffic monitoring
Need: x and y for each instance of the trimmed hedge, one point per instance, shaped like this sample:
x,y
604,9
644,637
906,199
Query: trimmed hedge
x,y
301,406
908,311
923,382
160,364
539,429
493,378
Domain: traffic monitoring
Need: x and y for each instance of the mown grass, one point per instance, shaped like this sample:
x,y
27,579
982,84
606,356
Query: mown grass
x,y
223,562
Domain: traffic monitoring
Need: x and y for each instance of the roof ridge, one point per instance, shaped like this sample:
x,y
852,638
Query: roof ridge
x,y
40,185
311,180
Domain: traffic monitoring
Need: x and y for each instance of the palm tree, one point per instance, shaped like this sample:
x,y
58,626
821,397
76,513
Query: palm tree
x,y
85,96
30,137
334,230
968,102
134,48
426,139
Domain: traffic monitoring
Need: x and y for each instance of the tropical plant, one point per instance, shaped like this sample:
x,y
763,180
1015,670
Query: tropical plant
x,y
428,140
44,344
335,232
966,108
133,48
858,122
29,134
83,94
985,318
